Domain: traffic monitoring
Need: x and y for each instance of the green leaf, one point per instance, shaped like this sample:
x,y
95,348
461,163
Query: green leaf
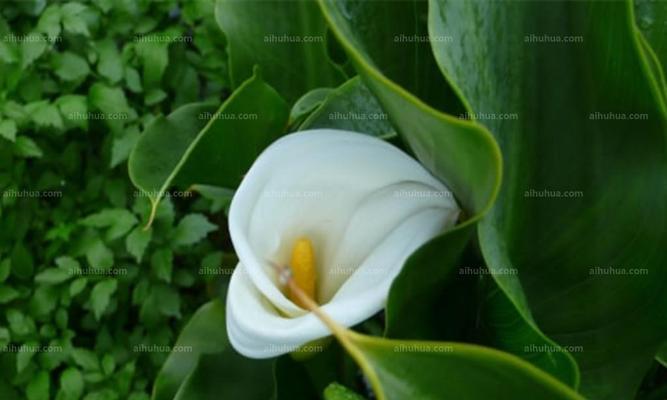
x,y
437,370
38,387
104,218
99,255
118,220
49,21
662,355
45,115
8,130
336,391
191,229
307,103
86,359
5,269
101,295
112,103
23,357
77,286
67,263
74,109
228,375
122,145
22,262
185,146
650,17
7,294
5,336
430,373
276,43
108,364
26,147
162,300
19,323
53,276
137,242
351,107
221,198
203,334
154,96
153,52
73,21
109,64
43,301
547,223
132,80
71,383
69,66
162,264
123,225
439,260
442,143
32,48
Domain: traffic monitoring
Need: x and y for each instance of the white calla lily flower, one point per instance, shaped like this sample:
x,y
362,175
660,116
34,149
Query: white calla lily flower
x,y
344,210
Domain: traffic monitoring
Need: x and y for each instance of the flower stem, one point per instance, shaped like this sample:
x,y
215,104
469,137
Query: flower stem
x,y
343,335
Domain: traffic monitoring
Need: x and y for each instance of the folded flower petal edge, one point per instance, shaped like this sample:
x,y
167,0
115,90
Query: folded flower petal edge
x,y
356,205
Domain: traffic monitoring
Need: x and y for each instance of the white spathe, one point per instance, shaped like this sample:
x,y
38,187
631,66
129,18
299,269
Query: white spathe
x,y
364,204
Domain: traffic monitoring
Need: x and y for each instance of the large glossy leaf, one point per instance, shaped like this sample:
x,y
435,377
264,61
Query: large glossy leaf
x,y
442,370
446,304
453,306
662,355
461,153
204,334
456,151
183,148
502,326
285,37
229,375
583,188
650,17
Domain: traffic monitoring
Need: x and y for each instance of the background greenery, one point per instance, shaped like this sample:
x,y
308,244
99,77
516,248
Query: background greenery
x,y
71,110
